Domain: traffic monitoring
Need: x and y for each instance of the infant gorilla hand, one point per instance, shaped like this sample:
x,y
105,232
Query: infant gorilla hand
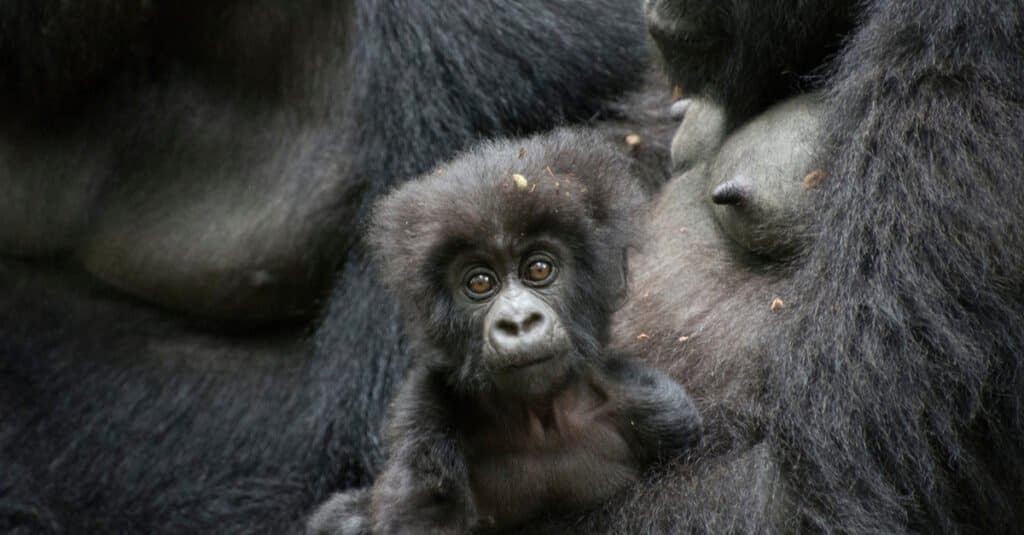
x,y
508,264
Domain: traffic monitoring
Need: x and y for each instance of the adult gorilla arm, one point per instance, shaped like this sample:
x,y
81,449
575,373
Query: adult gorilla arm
x,y
883,395
909,393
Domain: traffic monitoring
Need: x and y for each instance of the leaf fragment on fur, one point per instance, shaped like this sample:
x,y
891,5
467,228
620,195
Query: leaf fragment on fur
x,y
813,179
521,182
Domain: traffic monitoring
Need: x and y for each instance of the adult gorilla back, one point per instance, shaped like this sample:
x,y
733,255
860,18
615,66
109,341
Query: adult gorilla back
x,y
179,181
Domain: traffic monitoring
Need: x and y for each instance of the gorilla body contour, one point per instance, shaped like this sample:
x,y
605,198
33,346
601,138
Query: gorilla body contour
x,y
881,396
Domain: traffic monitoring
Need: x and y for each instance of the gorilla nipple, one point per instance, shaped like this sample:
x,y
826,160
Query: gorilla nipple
x,y
731,192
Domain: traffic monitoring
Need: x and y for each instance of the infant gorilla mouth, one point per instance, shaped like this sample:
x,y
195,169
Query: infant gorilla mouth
x,y
533,361
508,264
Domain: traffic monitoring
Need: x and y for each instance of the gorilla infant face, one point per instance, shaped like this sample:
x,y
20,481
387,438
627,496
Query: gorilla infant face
x,y
509,261
515,298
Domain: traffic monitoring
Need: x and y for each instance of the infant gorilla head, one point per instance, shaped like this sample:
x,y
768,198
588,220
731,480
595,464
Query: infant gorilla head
x,y
508,263
510,260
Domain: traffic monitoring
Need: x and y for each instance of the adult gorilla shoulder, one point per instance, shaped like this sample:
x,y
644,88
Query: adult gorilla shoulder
x,y
180,183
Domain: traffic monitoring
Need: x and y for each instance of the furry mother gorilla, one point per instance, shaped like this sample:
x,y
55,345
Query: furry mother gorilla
x,y
180,180
880,391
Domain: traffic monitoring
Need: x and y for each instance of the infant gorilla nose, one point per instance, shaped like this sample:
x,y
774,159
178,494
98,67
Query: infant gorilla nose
x,y
521,332
520,326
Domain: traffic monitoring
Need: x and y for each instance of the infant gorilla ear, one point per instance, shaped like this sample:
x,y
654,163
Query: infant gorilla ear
x,y
509,262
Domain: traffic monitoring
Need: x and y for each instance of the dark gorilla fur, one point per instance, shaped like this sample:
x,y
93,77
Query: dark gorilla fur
x,y
475,438
902,411
883,394
179,182
883,397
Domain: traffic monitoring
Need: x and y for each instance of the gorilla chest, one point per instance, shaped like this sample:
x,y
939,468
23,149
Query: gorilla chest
x,y
569,455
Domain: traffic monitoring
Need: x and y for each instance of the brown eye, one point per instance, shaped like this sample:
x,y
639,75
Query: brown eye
x,y
538,271
480,284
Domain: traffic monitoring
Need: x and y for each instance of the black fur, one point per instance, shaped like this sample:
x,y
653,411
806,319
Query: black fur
x,y
902,410
747,55
882,397
134,136
882,392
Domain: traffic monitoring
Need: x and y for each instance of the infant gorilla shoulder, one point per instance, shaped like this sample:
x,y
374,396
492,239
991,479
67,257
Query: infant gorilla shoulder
x,y
508,263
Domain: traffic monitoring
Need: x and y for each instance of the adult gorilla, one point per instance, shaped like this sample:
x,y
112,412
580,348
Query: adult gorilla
x,y
856,342
178,182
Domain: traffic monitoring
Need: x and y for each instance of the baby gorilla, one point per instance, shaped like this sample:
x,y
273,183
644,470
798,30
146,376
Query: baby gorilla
x,y
508,264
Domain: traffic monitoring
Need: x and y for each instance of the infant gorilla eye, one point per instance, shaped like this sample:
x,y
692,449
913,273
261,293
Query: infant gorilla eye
x,y
480,284
538,271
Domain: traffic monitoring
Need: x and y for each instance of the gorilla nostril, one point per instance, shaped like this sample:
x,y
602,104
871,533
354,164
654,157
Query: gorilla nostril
x,y
533,320
514,328
507,327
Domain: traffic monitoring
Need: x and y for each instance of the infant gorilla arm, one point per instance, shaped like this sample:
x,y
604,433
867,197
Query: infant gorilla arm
x,y
508,264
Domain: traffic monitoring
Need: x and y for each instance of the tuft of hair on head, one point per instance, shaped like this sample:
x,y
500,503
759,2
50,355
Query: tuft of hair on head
x,y
572,181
